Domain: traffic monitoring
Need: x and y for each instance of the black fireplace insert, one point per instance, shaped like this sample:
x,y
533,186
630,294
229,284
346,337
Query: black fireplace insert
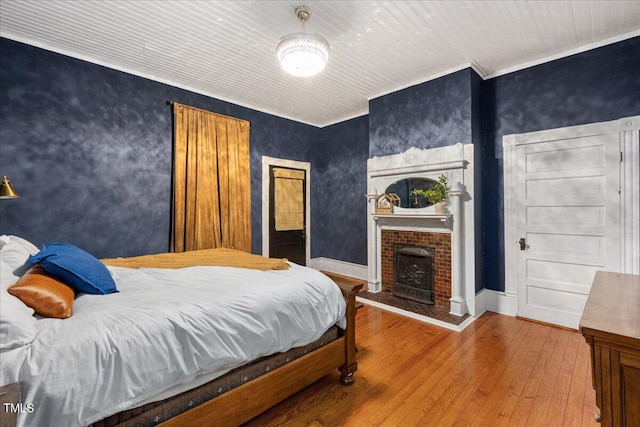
x,y
414,272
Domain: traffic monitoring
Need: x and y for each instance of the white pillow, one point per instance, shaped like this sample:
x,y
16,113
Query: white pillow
x,y
30,247
7,278
15,251
17,323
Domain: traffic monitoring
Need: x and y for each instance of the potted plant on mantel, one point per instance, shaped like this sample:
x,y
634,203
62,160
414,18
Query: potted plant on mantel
x,y
436,195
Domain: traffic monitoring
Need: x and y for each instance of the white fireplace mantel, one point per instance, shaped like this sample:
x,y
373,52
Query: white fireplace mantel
x,y
456,163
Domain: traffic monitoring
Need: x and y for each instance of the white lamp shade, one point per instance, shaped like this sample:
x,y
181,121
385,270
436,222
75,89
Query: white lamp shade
x,y
303,54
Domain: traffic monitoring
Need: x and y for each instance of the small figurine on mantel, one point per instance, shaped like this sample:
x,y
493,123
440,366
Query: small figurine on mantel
x,y
385,203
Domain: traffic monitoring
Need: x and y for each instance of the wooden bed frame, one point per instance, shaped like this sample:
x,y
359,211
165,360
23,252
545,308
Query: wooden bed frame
x,y
256,396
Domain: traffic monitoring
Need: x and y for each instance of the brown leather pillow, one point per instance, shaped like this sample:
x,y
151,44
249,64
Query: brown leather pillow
x,y
48,296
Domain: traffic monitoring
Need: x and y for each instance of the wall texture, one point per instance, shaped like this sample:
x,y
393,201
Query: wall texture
x,y
476,138
433,114
595,86
338,202
89,147
90,150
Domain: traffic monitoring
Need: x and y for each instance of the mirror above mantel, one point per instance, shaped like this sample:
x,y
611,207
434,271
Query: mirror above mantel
x,y
404,187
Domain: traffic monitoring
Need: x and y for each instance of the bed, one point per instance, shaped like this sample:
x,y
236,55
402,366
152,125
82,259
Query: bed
x,y
187,345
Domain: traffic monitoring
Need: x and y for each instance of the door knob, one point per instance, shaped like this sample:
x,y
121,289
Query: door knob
x,y
523,244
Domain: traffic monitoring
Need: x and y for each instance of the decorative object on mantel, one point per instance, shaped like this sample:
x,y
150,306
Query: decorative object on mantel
x,y
6,190
395,199
384,203
436,195
439,208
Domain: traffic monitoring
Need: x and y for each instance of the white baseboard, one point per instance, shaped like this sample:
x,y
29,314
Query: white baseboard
x,y
339,267
498,302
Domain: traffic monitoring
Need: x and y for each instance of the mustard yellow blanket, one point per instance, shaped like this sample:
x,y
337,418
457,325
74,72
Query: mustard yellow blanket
x,y
216,257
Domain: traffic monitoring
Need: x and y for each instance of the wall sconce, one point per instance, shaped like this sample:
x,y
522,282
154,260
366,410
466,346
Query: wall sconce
x,y
6,190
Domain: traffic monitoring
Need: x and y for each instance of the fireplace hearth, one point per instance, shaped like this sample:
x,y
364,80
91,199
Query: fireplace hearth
x,y
414,273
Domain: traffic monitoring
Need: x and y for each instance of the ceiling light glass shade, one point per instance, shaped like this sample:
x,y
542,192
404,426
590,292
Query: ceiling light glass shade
x,y
303,54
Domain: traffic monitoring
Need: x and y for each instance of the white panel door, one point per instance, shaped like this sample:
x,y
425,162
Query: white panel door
x,y
568,213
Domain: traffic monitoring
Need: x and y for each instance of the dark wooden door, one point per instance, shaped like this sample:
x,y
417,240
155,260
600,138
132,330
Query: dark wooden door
x,y
287,214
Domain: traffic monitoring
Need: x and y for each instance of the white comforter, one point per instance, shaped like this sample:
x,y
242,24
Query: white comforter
x,y
163,330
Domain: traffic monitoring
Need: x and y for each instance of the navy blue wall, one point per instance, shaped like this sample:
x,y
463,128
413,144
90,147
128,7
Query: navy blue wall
x,y
476,138
89,149
339,181
598,85
433,114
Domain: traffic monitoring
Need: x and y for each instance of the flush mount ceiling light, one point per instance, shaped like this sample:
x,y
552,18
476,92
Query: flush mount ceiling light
x,y
303,54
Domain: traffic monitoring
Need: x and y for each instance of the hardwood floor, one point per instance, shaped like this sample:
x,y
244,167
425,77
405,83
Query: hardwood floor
x,y
499,371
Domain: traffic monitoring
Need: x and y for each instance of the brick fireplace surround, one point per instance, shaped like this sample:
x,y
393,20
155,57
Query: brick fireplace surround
x,y
441,242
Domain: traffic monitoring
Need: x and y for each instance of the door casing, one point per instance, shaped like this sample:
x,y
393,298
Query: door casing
x,y
266,179
628,128
289,243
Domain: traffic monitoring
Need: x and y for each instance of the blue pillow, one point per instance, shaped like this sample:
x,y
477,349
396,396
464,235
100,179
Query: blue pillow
x,y
75,267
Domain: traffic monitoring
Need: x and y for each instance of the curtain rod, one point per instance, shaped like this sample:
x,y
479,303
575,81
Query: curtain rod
x,y
170,103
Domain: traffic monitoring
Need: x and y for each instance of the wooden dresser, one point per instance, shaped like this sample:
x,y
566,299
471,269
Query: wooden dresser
x,y
611,325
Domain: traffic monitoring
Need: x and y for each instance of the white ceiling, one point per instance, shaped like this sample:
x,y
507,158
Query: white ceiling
x,y
226,49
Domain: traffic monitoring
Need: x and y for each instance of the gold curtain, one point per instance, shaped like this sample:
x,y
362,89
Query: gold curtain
x,y
211,181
